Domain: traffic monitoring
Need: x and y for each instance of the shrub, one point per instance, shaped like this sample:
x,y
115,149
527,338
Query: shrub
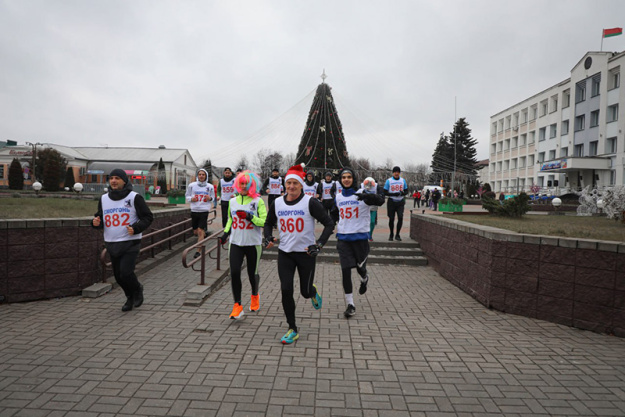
x,y
16,195
511,207
455,201
175,193
16,175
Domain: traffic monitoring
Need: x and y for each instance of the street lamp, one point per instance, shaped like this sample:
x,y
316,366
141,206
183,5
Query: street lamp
x,y
34,145
37,187
556,202
78,187
600,205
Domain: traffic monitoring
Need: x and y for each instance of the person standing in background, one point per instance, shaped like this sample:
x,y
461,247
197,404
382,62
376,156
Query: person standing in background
x,y
225,191
395,188
201,195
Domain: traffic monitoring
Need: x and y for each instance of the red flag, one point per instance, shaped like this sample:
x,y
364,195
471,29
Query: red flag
x,y
612,32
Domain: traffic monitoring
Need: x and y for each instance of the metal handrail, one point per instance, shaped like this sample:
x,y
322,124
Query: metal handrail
x,y
153,244
202,246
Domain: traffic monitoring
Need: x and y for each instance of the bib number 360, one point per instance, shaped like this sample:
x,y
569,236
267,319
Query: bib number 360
x,y
292,225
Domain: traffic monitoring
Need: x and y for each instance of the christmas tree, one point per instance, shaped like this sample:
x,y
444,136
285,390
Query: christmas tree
x,y
322,147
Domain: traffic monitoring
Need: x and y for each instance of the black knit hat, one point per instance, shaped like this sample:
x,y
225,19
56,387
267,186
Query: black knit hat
x,y
119,173
396,169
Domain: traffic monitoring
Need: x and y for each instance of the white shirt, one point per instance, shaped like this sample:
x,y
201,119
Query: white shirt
x,y
117,216
354,215
275,186
295,224
196,190
227,189
243,232
310,190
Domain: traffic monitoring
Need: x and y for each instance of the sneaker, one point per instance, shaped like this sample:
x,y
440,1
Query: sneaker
x,y
129,304
397,238
316,300
290,337
138,297
370,240
390,237
237,312
255,303
351,310
197,255
363,285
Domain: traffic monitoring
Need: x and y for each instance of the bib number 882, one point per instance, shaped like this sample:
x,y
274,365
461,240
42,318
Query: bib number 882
x,y
116,220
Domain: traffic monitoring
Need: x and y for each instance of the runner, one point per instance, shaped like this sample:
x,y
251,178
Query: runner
x,y
396,188
295,215
370,186
352,214
246,217
310,185
273,186
225,191
125,216
201,195
325,192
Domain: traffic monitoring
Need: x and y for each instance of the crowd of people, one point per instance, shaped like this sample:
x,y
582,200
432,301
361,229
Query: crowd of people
x,y
295,204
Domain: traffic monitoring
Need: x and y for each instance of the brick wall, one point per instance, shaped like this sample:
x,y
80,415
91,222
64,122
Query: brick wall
x,y
51,258
575,282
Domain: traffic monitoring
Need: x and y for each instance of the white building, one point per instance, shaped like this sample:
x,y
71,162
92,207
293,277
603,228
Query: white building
x,y
566,137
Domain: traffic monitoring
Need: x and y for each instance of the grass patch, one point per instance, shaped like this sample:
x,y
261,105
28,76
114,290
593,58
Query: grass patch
x,y
47,208
598,228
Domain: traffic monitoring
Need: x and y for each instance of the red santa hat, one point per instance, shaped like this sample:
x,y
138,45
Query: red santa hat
x,y
296,172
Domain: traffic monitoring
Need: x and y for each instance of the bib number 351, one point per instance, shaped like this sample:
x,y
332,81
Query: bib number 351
x,y
292,225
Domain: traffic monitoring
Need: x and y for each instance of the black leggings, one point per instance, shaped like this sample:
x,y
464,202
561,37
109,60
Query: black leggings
x,y
123,258
347,278
395,207
236,255
224,213
287,263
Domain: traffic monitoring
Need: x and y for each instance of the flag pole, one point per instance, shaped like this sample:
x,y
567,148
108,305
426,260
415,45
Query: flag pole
x,y
601,50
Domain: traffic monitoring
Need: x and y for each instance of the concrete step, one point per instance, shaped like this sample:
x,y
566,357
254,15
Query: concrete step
x,y
333,257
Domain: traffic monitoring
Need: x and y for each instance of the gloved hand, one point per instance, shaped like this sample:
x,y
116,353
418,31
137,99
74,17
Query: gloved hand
x,y
360,196
396,194
313,250
241,214
248,216
268,240
223,238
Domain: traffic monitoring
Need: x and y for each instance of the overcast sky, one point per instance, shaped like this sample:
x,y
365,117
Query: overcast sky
x,y
225,77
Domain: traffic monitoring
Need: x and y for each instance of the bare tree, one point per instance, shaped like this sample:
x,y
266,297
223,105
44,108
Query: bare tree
x,y
265,161
243,163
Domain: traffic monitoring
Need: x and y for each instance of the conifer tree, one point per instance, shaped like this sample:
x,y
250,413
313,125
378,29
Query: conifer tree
x,y
322,146
162,177
50,168
16,175
466,161
69,178
443,154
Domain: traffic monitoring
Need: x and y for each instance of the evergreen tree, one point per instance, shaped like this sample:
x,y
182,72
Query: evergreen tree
x,y
16,175
69,178
466,161
50,168
443,156
322,146
208,166
161,179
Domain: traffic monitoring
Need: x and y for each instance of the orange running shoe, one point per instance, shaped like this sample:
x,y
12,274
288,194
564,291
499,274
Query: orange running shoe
x,y
237,312
255,304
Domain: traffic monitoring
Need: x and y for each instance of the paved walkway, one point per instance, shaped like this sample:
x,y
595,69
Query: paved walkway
x,y
418,346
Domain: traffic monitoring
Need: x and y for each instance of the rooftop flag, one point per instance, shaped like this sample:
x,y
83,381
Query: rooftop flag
x,y
612,32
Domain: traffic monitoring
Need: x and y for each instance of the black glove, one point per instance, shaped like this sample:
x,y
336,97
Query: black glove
x,y
397,194
223,238
313,250
268,240
248,216
360,196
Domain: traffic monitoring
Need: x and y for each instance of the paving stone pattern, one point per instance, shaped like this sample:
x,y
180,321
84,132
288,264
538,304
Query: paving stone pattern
x,y
418,346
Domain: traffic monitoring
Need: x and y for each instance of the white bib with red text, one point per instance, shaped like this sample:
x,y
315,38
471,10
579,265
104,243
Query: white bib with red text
x,y
227,189
354,215
275,186
310,190
117,216
243,232
327,190
295,224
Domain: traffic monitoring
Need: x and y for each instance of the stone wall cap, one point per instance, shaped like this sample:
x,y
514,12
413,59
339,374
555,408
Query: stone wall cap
x,y
567,243
586,244
549,240
607,246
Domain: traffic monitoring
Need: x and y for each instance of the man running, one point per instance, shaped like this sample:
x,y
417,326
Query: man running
x,y
225,191
200,194
352,214
295,214
310,185
395,188
124,215
273,186
326,192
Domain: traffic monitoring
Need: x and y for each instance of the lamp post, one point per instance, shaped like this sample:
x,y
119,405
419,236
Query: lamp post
x,y
34,146
600,206
37,187
556,202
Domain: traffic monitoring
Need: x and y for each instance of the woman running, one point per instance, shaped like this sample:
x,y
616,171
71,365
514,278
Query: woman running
x,y
246,217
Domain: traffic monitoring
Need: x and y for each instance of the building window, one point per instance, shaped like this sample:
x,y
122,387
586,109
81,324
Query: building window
x,y
516,119
508,122
542,134
554,103
506,144
498,166
2,171
579,150
524,116
543,107
596,85
493,148
552,154
532,137
566,99
580,122
553,131
612,113
494,131
565,127
594,118
515,141
523,140
513,163
506,165
530,160
522,162
592,149
492,167
541,181
612,177
580,91
564,152
541,157
534,110
611,145
615,78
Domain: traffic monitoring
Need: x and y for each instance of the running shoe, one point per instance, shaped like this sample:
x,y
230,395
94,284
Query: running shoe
x,y
390,237
290,337
397,238
237,312
316,300
255,304
197,255
363,285
351,310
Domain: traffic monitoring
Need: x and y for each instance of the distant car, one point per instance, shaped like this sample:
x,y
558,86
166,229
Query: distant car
x,y
431,188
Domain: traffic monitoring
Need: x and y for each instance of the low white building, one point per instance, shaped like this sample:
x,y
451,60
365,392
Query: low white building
x,y
566,137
